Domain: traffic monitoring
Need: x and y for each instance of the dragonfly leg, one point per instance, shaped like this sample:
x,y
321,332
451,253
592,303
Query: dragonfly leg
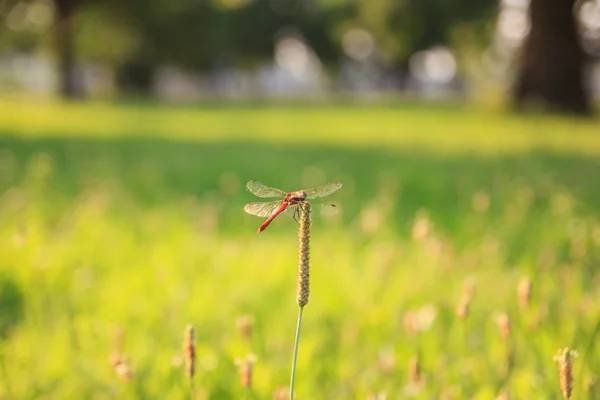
x,y
301,209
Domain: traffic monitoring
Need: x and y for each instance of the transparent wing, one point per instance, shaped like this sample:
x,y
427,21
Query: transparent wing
x,y
262,190
325,209
262,209
316,209
323,191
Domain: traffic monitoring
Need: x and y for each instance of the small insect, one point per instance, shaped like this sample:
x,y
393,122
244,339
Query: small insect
x,y
289,203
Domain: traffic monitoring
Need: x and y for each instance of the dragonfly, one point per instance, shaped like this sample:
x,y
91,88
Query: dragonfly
x,y
288,203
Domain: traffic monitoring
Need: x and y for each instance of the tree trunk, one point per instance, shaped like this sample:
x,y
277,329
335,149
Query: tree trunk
x,y
551,65
65,27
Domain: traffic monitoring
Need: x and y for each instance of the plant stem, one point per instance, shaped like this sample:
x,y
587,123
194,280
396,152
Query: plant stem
x,y
295,353
192,391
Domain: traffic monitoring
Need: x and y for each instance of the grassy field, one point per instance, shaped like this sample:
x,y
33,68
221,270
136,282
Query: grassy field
x,y
122,223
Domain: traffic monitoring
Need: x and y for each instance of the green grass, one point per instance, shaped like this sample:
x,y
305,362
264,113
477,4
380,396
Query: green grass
x,y
129,217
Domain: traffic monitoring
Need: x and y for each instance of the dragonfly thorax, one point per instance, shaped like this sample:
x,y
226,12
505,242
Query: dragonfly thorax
x,y
297,197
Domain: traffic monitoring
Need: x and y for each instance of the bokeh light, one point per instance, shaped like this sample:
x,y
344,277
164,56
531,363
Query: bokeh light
x,y
437,65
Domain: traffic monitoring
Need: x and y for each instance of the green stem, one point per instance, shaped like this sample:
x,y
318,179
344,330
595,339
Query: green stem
x,y
293,379
4,371
192,391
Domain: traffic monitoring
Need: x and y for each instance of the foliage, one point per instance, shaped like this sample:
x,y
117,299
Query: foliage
x,y
129,218
11,305
202,35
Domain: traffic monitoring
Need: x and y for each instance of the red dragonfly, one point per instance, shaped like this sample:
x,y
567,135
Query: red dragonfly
x,y
292,201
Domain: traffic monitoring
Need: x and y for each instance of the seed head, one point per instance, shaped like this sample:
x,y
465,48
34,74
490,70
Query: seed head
x,y
245,323
124,372
564,358
524,292
503,322
122,367
387,360
462,310
590,382
189,350
469,291
281,393
414,370
503,395
115,358
382,395
421,226
303,290
245,366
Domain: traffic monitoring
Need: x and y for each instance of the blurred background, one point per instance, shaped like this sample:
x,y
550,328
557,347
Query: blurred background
x,y
188,50
465,251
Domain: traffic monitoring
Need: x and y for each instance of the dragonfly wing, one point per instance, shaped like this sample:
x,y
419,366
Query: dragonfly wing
x,y
262,209
261,190
322,191
325,209
316,209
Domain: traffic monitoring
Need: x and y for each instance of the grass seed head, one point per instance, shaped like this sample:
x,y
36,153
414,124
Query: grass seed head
x,y
421,226
414,370
245,368
590,382
377,396
524,292
386,360
114,358
281,393
410,323
189,350
462,310
469,291
503,322
503,395
123,368
245,323
564,358
303,289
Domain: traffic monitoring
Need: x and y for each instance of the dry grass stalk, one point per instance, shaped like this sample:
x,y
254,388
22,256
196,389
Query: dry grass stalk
x,y
503,322
590,382
410,323
386,361
462,310
124,371
469,291
281,393
245,323
524,292
246,370
421,226
117,359
414,370
503,395
189,351
564,358
122,366
377,396
303,290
